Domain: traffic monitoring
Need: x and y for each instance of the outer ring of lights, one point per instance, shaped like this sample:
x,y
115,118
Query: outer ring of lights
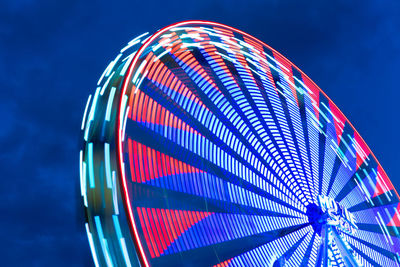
x,y
125,84
120,126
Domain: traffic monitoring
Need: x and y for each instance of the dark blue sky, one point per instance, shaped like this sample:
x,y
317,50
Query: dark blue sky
x,y
52,53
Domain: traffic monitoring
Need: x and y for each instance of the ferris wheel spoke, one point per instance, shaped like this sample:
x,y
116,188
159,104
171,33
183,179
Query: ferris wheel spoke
x,y
282,112
309,123
313,254
297,256
340,167
252,81
360,174
205,131
201,203
292,102
371,250
328,166
306,145
376,228
230,249
261,256
364,258
266,131
151,139
376,202
246,201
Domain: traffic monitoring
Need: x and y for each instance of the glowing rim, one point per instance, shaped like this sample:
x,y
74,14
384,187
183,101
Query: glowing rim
x,y
126,203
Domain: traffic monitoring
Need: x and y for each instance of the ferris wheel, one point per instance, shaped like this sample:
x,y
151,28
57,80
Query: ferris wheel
x,y
204,146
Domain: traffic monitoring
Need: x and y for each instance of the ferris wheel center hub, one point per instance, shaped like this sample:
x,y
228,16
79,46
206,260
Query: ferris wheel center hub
x,y
331,213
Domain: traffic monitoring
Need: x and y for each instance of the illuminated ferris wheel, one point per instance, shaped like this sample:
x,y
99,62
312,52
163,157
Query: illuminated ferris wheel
x,y
204,146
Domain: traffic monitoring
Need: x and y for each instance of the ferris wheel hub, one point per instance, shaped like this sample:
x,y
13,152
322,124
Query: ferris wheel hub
x,y
316,217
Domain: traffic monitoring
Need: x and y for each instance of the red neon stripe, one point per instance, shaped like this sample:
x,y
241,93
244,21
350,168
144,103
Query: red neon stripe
x,y
160,165
162,116
155,114
187,57
159,229
147,163
339,120
132,169
395,221
135,156
175,167
144,163
150,168
177,222
288,72
169,225
153,232
166,224
184,219
176,47
223,264
156,164
361,149
154,69
164,233
152,164
142,100
166,76
140,159
383,183
160,74
146,227
315,94
134,107
148,111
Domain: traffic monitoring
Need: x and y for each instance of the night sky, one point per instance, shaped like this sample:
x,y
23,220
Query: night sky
x,y
52,53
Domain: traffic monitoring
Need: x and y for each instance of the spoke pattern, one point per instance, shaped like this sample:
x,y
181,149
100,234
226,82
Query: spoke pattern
x,y
222,148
